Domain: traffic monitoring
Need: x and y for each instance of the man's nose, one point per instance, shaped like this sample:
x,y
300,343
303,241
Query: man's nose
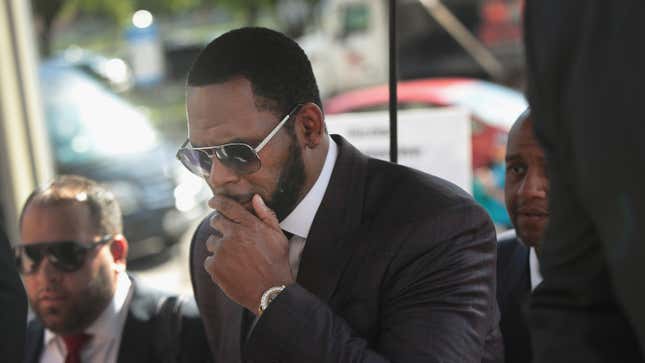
x,y
221,175
48,272
534,185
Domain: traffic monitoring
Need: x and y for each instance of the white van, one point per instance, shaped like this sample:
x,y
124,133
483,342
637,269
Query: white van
x,y
349,46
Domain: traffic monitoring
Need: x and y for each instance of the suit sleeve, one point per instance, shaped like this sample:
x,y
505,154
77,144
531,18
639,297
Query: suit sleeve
x,y
194,344
13,316
437,302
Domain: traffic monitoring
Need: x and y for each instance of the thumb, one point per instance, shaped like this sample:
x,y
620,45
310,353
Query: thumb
x,y
266,214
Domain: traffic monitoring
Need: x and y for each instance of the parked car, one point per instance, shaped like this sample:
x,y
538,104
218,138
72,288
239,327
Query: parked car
x,y
493,110
114,72
95,133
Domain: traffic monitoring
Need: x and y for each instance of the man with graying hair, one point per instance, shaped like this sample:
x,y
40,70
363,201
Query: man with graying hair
x,y
72,258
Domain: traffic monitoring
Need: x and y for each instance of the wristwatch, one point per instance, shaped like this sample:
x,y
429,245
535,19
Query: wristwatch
x,y
268,296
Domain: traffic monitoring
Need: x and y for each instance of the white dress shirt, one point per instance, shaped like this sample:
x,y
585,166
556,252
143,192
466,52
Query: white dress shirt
x,y
105,331
302,216
534,269
300,219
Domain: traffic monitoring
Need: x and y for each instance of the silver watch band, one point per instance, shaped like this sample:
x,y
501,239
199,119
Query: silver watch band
x,y
268,296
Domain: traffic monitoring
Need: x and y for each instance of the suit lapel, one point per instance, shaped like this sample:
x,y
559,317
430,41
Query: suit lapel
x,y
138,331
329,244
223,318
34,341
519,279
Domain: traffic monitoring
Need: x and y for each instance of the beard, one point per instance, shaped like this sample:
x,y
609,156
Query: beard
x,y
290,183
82,310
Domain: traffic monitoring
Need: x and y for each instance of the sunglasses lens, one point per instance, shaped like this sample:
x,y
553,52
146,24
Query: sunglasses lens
x,y
28,258
197,162
239,157
67,256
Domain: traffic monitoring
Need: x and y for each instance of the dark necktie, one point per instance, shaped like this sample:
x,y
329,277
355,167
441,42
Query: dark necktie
x,y
74,344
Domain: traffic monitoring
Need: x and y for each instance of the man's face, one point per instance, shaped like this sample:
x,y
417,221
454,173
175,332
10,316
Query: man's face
x,y
527,185
67,302
227,112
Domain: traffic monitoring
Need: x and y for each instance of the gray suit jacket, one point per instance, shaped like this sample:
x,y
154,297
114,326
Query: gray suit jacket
x,y
399,266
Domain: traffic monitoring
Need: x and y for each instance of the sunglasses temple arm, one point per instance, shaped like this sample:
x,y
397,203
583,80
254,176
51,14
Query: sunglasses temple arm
x,y
273,132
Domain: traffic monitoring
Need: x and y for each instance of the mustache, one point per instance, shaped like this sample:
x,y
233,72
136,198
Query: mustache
x,y
534,209
50,290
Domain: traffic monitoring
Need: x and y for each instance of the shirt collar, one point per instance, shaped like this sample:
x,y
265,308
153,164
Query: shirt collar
x,y
110,323
534,266
300,219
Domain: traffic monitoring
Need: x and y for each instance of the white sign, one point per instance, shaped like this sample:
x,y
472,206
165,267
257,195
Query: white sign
x,y
436,141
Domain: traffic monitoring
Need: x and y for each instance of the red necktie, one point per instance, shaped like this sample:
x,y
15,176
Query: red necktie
x,y
74,344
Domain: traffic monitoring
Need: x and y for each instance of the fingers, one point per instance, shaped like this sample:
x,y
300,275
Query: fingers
x,y
213,243
266,214
232,210
222,225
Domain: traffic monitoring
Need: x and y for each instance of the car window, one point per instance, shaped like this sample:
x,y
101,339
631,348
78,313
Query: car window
x,y
88,122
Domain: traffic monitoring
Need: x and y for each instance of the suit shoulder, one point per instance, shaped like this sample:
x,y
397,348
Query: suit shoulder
x,y
507,239
148,302
415,193
512,255
508,245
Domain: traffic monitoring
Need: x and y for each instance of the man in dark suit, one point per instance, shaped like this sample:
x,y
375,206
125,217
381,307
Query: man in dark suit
x,y
13,303
72,259
318,253
586,89
526,190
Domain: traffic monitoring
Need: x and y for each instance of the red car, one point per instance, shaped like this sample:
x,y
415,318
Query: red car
x,y
494,108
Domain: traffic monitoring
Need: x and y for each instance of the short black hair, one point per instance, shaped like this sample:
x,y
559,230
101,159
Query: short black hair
x,y
278,69
104,209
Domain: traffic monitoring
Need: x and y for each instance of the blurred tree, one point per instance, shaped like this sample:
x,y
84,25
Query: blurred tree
x,y
119,11
281,9
250,9
46,10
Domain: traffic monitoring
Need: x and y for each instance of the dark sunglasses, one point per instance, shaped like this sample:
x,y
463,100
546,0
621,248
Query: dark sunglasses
x,y
240,157
67,256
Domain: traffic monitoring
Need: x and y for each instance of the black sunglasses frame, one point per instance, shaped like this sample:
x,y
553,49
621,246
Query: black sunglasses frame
x,y
203,163
66,256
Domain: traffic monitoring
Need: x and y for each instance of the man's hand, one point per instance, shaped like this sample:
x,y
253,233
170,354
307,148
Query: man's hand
x,y
252,254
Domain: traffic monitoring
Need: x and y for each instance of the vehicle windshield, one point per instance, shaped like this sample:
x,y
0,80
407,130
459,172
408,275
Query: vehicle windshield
x,y
87,122
496,105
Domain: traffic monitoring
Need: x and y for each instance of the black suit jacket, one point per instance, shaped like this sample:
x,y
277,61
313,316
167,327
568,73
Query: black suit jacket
x,y
398,266
13,306
513,291
147,336
586,89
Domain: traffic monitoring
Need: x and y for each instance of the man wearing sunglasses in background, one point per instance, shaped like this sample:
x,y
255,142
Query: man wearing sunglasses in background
x,y
72,259
317,253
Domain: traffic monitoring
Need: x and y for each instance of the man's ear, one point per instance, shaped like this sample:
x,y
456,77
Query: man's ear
x,y
119,249
311,124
